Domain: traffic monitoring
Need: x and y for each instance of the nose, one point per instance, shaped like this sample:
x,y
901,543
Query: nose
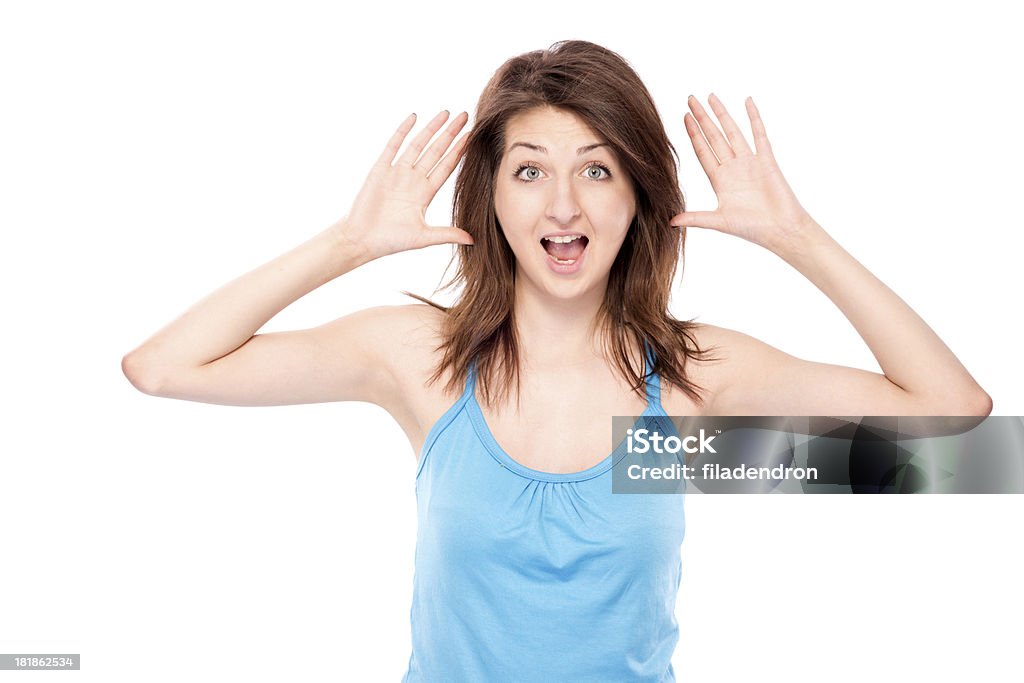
x,y
563,206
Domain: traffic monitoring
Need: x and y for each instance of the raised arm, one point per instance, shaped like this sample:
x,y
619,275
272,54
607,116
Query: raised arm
x,y
212,353
921,374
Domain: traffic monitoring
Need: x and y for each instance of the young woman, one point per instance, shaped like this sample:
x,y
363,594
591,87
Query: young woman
x,y
570,225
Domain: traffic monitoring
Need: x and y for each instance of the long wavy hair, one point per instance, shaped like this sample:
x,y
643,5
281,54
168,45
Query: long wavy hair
x,y
602,89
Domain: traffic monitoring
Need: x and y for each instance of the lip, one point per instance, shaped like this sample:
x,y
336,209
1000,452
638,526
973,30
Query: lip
x,y
563,233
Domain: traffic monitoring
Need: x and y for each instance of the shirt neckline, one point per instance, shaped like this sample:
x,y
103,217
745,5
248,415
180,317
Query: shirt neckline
x,y
483,431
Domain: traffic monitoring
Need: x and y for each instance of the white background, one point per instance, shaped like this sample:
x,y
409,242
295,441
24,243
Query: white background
x,y
151,152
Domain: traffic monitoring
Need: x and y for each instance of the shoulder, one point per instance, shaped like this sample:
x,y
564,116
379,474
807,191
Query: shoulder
x,y
411,352
408,317
410,337
419,329
723,338
404,335
732,357
393,330
396,341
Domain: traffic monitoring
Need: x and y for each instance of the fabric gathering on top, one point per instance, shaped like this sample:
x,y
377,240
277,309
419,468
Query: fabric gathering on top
x,y
524,576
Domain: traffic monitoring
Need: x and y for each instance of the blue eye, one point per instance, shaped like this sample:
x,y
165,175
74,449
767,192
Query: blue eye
x,y
523,167
595,165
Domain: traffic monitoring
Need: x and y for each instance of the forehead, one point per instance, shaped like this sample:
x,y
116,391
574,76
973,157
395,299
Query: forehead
x,y
558,130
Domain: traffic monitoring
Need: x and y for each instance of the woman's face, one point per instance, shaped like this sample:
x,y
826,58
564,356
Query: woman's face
x,y
554,182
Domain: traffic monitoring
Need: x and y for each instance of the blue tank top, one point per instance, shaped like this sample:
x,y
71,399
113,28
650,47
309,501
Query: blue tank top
x,y
524,576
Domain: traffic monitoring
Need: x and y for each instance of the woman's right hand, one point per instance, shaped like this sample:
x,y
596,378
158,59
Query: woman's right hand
x,y
388,214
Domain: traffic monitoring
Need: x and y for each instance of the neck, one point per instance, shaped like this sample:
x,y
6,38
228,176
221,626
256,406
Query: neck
x,y
557,332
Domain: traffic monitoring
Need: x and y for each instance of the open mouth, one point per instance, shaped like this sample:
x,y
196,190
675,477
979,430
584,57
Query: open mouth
x,y
565,249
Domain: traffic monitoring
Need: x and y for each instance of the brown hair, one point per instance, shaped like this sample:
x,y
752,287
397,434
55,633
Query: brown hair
x,y
601,88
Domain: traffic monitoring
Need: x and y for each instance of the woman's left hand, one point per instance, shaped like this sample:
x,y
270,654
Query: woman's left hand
x,y
754,201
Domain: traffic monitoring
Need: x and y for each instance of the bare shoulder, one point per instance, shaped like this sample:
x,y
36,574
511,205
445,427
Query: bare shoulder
x,y
730,355
406,337
409,325
720,339
749,373
411,346
418,336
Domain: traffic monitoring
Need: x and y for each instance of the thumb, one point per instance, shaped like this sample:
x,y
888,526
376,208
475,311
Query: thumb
x,y
698,219
447,235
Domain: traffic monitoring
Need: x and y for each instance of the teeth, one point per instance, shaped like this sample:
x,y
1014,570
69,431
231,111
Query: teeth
x,y
563,239
558,260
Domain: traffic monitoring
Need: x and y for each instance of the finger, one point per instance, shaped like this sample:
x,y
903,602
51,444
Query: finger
x,y
447,235
440,174
412,152
698,219
732,131
757,126
718,143
388,155
707,158
435,150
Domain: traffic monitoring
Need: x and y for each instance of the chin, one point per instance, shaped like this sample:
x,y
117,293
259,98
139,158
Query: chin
x,y
564,288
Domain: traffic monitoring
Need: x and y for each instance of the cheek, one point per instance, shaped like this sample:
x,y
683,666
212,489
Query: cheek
x,y
611,215
516,213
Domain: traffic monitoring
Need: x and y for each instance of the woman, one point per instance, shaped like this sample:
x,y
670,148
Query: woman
x,y
570,225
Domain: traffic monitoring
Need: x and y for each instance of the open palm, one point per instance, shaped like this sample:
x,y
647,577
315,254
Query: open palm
x,y
388,214
754,200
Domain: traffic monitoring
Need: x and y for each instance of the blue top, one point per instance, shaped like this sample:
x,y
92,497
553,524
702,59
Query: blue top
x,y
525,576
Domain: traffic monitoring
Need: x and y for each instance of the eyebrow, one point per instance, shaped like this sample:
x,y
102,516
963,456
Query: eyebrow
x,y
543,150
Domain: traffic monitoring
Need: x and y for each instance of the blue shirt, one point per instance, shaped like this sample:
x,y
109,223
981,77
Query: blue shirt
x,y
524,576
